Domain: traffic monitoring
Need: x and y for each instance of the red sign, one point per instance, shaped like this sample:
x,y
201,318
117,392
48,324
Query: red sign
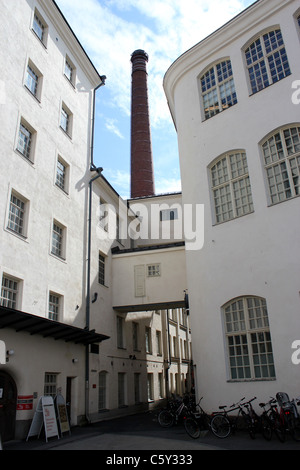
x,y
25,402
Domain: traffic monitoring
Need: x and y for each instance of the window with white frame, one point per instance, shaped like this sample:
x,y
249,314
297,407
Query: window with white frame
x,y
50,384
70,70
62,175
66,120
26,139
39,27
218,89
231,187
17,214
153,270
281,153
168,214
150,387
58,240
248,339
33,79
148,342
54,306
9,292
267,60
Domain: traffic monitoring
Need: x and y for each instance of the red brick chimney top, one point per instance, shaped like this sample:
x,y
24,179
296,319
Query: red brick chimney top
x,y
142,179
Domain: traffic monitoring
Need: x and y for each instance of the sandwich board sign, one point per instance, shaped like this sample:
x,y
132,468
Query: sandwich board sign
x,y
62,414
44,415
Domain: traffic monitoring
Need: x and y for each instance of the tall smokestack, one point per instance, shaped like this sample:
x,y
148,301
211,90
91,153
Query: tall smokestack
x,y
142,179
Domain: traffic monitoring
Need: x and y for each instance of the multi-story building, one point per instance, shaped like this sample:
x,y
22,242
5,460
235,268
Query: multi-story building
x,y
234,98
84,309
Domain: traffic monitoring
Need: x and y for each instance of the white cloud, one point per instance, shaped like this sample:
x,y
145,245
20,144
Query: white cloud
x,y
110,39
111,125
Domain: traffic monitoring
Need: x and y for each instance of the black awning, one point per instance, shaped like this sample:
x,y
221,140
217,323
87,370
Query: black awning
x,y
149,307
21,321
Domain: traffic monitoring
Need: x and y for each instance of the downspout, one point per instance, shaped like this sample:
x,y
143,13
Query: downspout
x,y
88,290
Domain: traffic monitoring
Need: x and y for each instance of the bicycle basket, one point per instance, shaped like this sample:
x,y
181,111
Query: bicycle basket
x,y
283,400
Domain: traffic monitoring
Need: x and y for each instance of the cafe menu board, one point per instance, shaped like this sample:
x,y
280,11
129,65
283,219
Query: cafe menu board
x,y
62,414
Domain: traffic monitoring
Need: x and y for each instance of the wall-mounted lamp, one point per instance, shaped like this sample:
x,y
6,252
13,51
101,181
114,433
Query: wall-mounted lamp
x,y
75,360
11,352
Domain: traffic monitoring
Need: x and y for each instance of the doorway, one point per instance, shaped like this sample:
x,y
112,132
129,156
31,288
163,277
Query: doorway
x,y
8,406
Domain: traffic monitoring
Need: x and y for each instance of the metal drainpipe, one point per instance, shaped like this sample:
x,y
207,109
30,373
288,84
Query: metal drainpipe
x,y
87,325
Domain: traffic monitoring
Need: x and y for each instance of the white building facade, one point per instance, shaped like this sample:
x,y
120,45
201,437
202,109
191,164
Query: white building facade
x,y
71,318
234,98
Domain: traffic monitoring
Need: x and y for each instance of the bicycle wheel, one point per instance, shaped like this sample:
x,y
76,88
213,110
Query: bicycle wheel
x,y
250,426
279,428
165,418
266,428
192,427
220,426
294,428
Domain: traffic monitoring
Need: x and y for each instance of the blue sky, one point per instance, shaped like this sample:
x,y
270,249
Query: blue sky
x,y
110,31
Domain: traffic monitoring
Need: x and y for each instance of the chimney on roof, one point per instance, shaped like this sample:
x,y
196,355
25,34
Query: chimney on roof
x,y
142,177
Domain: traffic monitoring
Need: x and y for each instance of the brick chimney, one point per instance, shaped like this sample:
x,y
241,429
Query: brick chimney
x,y
142,178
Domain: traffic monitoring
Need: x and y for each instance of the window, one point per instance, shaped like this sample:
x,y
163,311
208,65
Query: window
x,y
137,387
153,270
50,384
160,385
281,154
101,270
9,292
231,187
158,342
139,281
33,80
148,342
267,60
62,175
135,336
103,217
26,140
40,27
58,240
298,20
17,214
121,389
150,387
248,339
168,214
120,333
70,71
66,120
54,306
218,89
102,390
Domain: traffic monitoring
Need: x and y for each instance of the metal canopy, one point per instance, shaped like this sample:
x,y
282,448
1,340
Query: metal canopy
x,y
21,321
149,307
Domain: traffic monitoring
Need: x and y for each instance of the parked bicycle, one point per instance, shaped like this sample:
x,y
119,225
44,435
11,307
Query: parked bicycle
x,y
272,421
175,411
289,414
197,422
222,425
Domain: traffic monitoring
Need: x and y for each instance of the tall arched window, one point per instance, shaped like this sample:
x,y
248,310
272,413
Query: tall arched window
x,y
248,339
231,187
281,153
218,90
267,60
